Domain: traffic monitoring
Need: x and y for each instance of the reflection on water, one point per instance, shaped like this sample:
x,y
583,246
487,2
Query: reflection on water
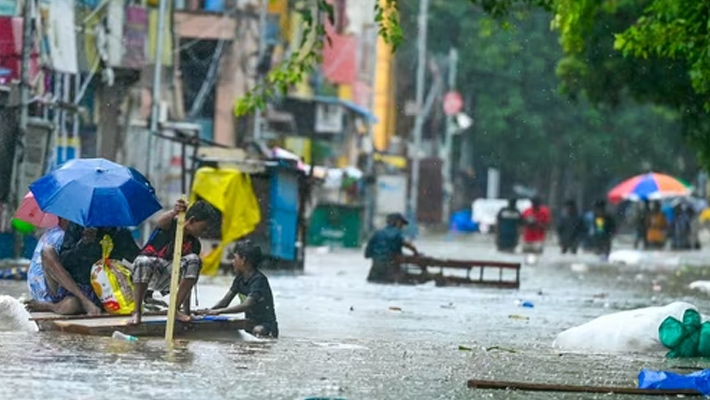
x,y
342,337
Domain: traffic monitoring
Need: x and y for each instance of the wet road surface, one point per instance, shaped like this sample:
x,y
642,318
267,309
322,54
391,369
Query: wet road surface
x,y
339,337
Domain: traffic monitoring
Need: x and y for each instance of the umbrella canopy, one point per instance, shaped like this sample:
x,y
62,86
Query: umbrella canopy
x,y
96,192
29,211
648,186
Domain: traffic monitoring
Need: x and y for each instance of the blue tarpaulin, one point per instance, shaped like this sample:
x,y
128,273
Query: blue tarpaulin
x,y
699,380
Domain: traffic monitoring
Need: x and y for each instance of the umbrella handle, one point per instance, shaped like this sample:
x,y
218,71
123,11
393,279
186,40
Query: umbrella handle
x,y
175,276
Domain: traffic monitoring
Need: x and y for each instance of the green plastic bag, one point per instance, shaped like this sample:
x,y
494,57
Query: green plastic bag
x,y
689,338
22,227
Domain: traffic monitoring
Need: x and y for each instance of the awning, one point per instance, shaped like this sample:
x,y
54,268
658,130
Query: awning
x,y
362,111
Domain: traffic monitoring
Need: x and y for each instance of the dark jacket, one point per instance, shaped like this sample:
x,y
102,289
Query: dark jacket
x,y
571,229
385,244
78,257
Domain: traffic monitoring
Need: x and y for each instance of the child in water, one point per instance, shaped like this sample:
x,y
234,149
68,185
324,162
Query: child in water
x,y
252,283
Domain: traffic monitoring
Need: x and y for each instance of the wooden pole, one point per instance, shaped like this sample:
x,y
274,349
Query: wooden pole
x,y
546,387
175,278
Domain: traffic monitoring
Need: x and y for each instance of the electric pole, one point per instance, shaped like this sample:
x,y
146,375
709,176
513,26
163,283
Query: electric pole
x,y
155,109
448,139
262,51
419,122
157,81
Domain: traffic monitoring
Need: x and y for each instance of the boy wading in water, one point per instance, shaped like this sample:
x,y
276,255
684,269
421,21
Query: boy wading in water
x,y
252,283
154,264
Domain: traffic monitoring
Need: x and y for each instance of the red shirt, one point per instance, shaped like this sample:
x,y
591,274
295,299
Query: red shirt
x,y
535,233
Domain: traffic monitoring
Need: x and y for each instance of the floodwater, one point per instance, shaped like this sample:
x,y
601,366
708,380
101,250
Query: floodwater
x,y
341,339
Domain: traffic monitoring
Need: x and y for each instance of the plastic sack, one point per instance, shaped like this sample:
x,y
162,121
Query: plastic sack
x,y
687,338
111,282
631,331
699,380
462,221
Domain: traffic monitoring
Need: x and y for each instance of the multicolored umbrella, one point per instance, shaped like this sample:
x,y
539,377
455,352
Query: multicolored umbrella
x,y
650,186
29,211
96,192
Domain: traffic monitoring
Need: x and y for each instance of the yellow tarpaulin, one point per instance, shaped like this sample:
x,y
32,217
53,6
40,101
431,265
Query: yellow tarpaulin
x,y
229,191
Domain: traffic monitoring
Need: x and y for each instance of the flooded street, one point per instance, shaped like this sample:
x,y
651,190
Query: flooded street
x,y
344,338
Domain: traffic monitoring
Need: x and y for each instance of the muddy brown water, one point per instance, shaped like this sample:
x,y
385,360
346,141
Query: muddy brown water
x,y
340,339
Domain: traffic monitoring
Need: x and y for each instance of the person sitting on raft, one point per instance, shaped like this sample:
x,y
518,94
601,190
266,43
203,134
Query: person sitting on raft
x,y
253,284
67,272
154,264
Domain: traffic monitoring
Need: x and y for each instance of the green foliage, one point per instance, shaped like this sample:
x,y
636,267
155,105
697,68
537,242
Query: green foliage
x,y
654,50
387,18
523,124
673,29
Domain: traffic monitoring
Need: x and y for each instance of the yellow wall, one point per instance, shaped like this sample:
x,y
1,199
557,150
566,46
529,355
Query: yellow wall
x,y
384,94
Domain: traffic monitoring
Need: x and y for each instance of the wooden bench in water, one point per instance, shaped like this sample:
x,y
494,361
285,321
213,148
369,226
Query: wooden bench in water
x,y
415,266
152,326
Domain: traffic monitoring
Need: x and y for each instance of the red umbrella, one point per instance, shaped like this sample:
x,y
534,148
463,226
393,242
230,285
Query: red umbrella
x,y
30,212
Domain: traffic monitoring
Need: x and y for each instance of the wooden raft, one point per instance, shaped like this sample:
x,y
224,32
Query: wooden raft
x,y
546,387
419,267
152,326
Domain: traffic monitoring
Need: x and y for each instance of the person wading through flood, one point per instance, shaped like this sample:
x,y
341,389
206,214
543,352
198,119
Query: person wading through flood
x,y
536,220
508,224
570,229
384,246
641,224
603,229
250,282
657,227
154,264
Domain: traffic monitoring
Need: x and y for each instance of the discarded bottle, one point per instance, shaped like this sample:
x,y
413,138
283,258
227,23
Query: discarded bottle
x,y
516,316
122,336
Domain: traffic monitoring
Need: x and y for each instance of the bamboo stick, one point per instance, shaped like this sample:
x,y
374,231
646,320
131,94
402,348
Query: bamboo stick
x,y
175,278
546,387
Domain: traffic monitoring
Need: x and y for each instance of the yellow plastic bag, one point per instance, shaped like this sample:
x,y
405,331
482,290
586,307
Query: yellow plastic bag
x,y
112,283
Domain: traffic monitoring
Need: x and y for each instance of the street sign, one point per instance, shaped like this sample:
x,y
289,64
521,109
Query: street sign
x,y
453,103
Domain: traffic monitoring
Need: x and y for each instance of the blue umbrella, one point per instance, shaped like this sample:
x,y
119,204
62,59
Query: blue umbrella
x,y
97,193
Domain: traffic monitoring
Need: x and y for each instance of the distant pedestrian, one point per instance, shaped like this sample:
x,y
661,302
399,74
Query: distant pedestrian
x,y
536,221
681,227
604,228
508,225
657,227
383,248
641,224
570,229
